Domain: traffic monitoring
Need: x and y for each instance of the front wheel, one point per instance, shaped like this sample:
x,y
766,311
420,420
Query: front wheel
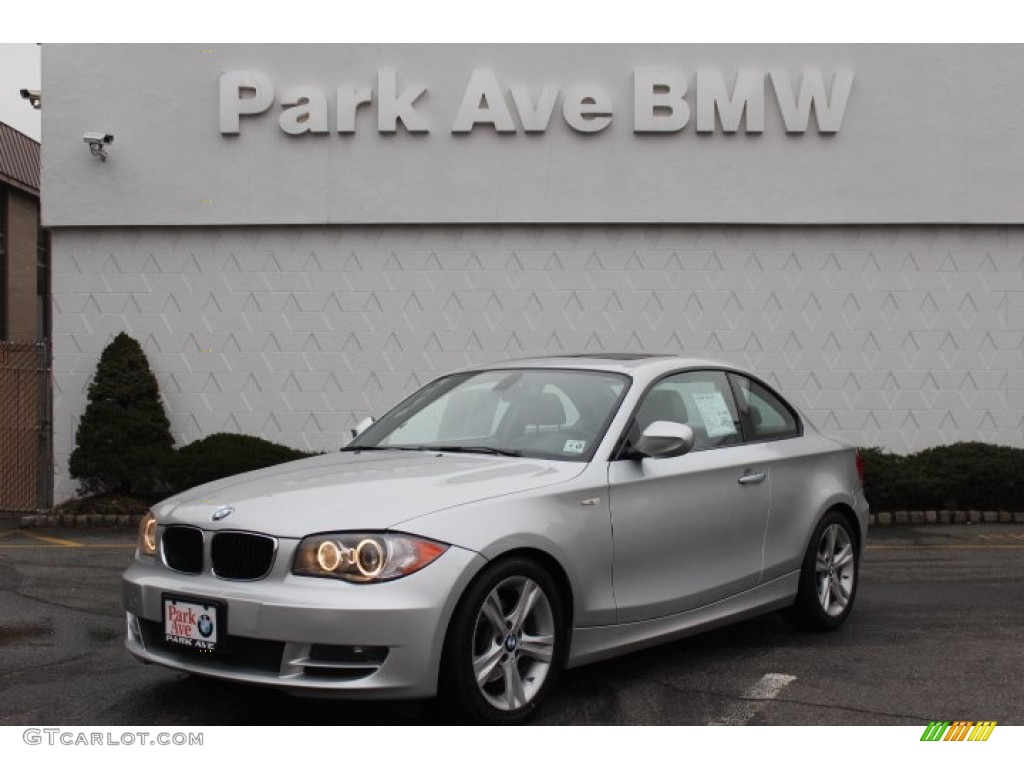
x,y
828,577
505,644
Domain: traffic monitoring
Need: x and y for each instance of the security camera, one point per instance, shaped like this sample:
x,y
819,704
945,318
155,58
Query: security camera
x,y
33,97
97,142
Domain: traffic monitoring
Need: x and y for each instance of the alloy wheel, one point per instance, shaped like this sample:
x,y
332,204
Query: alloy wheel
x,y
834,569
513,643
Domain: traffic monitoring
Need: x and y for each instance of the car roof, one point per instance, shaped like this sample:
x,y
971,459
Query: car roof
x,y
620,362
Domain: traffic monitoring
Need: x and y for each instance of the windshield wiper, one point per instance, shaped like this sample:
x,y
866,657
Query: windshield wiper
x,y
470,449
357,448
439,448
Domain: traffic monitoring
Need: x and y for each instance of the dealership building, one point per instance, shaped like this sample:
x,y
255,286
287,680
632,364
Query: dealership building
x,y
300,235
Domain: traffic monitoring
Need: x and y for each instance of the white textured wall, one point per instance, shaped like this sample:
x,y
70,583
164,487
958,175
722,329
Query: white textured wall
x,y
897,336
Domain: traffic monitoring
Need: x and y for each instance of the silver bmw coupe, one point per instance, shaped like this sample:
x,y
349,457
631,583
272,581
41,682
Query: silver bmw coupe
x,y
501,524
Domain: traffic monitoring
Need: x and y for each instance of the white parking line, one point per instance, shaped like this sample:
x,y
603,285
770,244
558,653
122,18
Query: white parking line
x,y
754,700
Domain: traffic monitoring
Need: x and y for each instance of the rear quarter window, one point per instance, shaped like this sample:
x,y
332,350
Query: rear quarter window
x,y
770,418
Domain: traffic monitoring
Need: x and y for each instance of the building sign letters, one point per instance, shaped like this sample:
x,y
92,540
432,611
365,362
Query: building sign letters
x,y
664,101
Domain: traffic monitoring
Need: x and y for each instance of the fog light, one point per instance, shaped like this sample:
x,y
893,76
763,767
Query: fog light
x,y
134,630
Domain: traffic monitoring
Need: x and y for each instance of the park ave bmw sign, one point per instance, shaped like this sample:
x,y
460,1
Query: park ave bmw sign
x,y
663,101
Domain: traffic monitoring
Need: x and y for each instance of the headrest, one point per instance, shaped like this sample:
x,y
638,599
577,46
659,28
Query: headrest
x,y
755,415
542,409
661,405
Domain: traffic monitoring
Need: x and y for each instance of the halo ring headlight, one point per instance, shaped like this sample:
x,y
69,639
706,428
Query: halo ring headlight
x,y
365,557
328,556
370,558
147,534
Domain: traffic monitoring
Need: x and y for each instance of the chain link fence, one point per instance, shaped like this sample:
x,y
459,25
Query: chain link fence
x,y
26,452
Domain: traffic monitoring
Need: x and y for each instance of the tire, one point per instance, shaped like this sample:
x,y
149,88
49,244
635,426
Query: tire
x,y
505,645
828,577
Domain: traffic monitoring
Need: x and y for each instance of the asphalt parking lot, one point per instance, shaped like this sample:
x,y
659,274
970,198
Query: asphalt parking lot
x,y
936,634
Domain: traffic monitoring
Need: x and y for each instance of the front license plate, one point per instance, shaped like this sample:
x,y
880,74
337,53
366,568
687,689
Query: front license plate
x,y
192,623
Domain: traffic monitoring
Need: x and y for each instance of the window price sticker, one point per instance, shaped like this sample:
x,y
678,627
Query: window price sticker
x,y
715,413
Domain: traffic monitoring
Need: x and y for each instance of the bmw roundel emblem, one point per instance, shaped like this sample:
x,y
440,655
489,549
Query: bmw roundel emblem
x,y
222,512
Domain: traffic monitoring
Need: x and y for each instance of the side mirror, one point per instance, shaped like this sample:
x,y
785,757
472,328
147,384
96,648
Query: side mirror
x,y
362,426
665,440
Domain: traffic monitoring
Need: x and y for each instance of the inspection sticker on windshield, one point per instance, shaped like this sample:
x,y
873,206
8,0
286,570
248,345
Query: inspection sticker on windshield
x,y
191,624
715,413
574,446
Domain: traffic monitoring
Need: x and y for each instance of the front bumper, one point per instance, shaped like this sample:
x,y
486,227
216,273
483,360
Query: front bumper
x,y
278,627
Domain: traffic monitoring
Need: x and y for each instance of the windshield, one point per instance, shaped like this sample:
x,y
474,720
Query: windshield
x,y
534,412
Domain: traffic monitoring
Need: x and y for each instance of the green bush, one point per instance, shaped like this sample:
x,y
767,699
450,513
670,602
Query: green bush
x,y
123,440
961,476
973,476
221,455
888,484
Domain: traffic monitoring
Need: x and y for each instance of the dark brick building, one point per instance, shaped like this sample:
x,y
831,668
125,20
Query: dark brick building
x,y
25,420
24,260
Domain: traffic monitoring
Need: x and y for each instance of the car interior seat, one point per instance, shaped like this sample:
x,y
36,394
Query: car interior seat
x,y
661,405
535,410
668,405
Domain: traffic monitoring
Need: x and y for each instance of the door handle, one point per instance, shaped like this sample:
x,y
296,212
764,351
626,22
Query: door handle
x,y
753,479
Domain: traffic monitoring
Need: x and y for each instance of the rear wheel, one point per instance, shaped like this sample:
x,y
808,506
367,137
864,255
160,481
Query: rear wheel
x,y
828,577
505,644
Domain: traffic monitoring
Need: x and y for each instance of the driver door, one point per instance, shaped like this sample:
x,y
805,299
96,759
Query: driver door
x,y
689,530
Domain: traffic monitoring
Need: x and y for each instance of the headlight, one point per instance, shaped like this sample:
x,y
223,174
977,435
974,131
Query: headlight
x,y
147,534
364,557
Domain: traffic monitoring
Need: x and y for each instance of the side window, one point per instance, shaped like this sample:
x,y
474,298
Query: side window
x,y
700,399
770,418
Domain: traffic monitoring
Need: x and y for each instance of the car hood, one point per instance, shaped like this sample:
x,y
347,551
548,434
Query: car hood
x,y
357,491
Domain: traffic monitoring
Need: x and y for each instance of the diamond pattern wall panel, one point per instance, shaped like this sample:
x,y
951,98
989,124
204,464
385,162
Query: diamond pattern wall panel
x,y
903,337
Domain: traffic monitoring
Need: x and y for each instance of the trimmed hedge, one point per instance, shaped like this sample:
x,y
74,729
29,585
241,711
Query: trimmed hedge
x,y
222,454
123,441
961,476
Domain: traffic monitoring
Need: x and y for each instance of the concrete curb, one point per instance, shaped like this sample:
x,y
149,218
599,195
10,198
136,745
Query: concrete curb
x,y
943,517
930,517
80,521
